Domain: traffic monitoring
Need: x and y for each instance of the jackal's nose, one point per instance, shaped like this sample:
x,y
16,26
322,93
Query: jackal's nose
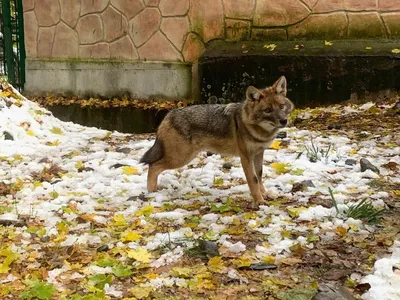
x,y
283,122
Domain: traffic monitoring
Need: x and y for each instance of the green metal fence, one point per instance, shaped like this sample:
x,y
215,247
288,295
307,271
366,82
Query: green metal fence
x,y
12,46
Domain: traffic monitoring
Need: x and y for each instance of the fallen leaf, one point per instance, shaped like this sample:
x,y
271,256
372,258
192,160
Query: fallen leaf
x,y
140,254
396,51
327,43
275,145
129,170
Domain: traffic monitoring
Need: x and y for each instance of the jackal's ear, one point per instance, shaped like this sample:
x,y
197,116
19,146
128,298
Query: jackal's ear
x,y
253,94
280,86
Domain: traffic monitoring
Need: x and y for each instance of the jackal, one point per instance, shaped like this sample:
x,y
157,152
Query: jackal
x,y
242,129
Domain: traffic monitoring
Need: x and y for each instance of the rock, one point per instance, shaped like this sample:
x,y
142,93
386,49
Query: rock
x,y
279,13
65,42
365,25
367,165
308,183
334,126
103,248
91,6
116,166
207,19
115,24
144,25
31,31
90,29
332,292
282,135
227,166
130,8
123,48
174,7
124,150
350,162
209,248
176,30
8,136
159,48
209,153
48,12
259,267
70,12
193,48
46,39
96,51
239,9
329,26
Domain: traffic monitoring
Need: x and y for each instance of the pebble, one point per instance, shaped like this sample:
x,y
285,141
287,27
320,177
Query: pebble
x,y
367,165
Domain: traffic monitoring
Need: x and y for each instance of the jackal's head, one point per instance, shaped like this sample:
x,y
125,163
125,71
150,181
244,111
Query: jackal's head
x,y
268,107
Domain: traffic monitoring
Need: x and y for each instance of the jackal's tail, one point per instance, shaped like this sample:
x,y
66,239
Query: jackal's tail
x,y
155,153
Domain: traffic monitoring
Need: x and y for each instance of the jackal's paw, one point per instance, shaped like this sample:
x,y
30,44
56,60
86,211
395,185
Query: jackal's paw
x,y
269,195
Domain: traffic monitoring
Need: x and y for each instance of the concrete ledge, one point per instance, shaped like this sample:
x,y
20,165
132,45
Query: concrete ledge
x,y
142,80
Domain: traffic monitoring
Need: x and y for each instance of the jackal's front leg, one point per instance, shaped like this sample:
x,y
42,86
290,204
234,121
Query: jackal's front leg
x,y
252,178
258,165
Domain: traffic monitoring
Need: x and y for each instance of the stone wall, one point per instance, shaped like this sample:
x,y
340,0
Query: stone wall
x,y
177,30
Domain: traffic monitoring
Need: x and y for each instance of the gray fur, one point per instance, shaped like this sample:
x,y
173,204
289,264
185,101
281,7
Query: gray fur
x,y
199,120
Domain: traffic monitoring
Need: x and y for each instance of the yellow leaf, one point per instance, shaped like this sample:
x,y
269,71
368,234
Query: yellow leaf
x,y
341,231
181,272
145,211
218,181
242,261
396,51
119,220
54,143
56,130
140,254
294,212
368,48
79,165
280,168
353,227
130,236
129,170
269,259
270,46
141,292
216,265
5,94
328,43
275,145
9,257
30,132
37,184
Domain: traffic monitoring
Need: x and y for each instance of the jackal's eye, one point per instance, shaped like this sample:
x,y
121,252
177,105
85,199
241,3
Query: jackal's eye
x,y
282,106
268,110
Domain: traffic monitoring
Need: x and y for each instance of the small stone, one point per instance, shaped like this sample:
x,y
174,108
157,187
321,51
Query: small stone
x,y
124,150
210,248
333,292
103,248
209,153
8,136
45,239
308,183
367,165
282,135
350,162
116,166
227,166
